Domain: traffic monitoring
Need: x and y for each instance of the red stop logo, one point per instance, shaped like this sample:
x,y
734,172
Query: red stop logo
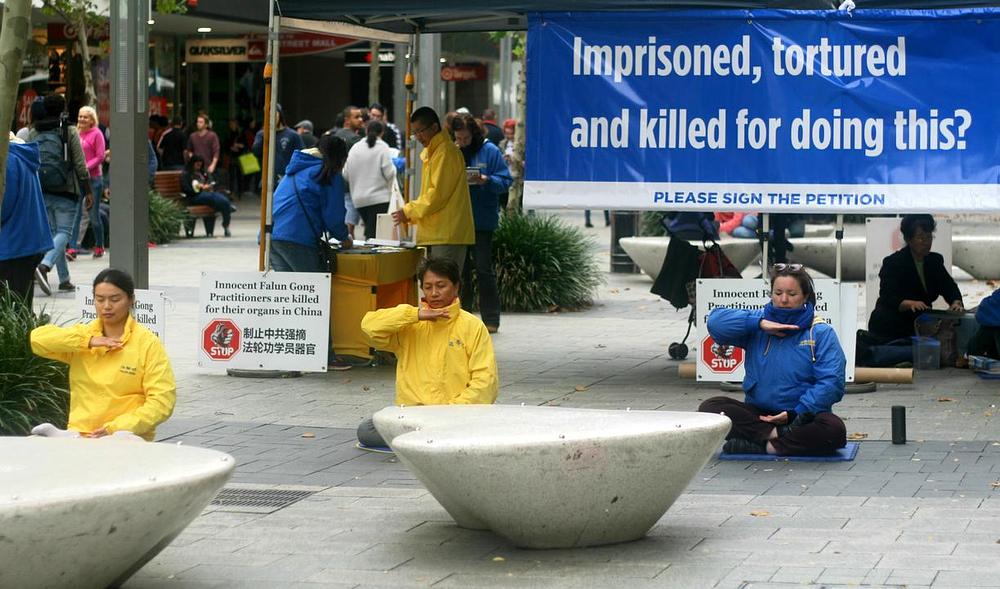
x,y
720,359
221,339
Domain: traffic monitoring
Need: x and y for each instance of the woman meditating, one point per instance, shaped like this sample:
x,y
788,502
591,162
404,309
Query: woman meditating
x,y
120,378
794,372
444,355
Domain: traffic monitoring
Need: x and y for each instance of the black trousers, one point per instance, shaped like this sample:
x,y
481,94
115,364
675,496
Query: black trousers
x,y
486,277
825,435
19,274
370,215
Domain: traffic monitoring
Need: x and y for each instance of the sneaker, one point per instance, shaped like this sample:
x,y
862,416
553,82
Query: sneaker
x,y
492,328
67,286
70,255
42,278
338,365
743,446
227,232
98,252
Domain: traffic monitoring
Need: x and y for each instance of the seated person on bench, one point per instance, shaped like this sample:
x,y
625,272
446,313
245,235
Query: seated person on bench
x,y
120,380
911,280
794,372
444,355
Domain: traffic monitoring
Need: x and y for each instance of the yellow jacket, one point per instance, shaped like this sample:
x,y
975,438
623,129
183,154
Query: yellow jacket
x,y
129,389
443,362
443,212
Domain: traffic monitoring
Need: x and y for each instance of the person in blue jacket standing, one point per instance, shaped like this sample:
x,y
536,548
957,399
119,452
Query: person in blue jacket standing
x,y
309,204
794,372
24,225
485,189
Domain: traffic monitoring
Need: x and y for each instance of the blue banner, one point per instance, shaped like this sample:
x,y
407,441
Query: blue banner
x,y
769,110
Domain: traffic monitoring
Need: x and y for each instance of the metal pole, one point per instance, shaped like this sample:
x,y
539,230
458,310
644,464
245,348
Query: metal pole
x,y
267,155
840,244
763,252
130,169
409,82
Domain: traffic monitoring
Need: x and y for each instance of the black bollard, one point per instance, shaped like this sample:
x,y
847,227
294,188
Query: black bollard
x,y
898,424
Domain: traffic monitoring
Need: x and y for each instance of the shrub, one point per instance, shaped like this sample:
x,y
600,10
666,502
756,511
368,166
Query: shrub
x,y
165,218
651,225
541,264
33,389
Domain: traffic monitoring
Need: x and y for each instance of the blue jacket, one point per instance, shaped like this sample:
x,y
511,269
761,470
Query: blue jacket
x,y
325,204
780,371
288,142
988,312
24,226
486,198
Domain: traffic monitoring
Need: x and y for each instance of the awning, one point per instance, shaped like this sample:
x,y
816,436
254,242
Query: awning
x,y
448,16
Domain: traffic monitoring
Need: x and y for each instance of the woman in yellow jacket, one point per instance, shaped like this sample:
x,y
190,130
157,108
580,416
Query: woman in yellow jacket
x,y
120,378
444,355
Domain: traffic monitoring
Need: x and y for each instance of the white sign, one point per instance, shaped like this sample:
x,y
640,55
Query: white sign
x,y
215,50
836,304
149,309
883,237
268,321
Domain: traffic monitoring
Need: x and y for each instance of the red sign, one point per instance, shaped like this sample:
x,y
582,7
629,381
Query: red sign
x,y
294,44
63,32
720,359
24,107
221,339
463,73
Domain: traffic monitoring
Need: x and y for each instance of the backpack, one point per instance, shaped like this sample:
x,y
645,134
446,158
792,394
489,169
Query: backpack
x,y
56,173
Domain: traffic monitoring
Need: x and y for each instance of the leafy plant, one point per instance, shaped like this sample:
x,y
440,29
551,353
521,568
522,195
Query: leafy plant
x,y
165,218
541,264
650,225
33,390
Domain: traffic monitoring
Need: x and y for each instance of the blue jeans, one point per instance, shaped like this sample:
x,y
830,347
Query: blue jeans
x,y
218,202
96,224
61,212
747,229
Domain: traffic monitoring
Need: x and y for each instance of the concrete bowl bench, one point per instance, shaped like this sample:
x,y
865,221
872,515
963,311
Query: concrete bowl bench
x,y
553,477
648,252
87,513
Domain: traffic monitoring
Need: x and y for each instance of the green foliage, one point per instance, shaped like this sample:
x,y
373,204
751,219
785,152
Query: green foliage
x,y
165,218
33,390
650,224
542,264
170,6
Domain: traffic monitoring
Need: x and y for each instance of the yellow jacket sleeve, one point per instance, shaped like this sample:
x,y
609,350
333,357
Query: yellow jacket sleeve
x,y
483,381
161,394
444,176
383,326
60,343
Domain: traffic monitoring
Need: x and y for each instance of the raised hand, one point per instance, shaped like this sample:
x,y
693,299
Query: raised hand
x,y
775,328
432,314
111,343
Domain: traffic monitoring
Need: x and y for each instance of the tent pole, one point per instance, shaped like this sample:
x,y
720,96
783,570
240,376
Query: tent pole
x,y
840,244
271,100
763,240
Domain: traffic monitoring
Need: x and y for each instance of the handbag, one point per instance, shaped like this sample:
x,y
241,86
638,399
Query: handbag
x,y
714,263
248,164
327,253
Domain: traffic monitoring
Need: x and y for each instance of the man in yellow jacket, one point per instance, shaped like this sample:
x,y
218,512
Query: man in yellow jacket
x,y
444,355
443,211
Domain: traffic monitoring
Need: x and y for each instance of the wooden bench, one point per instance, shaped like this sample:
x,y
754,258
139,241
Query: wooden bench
x,y
168,184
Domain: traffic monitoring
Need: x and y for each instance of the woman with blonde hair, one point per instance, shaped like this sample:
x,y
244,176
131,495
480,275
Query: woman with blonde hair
x,y
94,147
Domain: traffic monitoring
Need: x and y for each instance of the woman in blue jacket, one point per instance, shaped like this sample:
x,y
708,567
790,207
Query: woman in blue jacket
x,y
794,372
485,189
309,202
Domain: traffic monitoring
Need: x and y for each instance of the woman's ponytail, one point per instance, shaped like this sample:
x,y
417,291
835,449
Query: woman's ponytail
x,y
373,131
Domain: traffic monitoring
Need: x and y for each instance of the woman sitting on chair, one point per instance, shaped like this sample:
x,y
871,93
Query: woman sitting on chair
x,y
794,372
120,380
199,189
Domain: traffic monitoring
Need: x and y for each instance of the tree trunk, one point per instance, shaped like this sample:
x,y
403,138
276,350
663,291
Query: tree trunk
x,y
515,201
13,42
374,74
89,95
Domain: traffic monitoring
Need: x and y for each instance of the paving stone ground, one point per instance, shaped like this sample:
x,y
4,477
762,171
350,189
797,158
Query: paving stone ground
x,y
924,514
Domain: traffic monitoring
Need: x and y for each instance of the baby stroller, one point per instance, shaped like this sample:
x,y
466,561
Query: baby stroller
x,y
683,265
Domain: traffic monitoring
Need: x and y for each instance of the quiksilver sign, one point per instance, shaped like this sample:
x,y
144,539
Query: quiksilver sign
x,y
216,50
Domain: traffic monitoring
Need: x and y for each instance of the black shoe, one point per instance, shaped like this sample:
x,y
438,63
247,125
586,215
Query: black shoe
x,y
589,225
42,278
227,233
742,446
67,286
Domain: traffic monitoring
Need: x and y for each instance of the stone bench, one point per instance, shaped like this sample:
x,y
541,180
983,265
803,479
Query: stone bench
x,y
89,513
553,477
